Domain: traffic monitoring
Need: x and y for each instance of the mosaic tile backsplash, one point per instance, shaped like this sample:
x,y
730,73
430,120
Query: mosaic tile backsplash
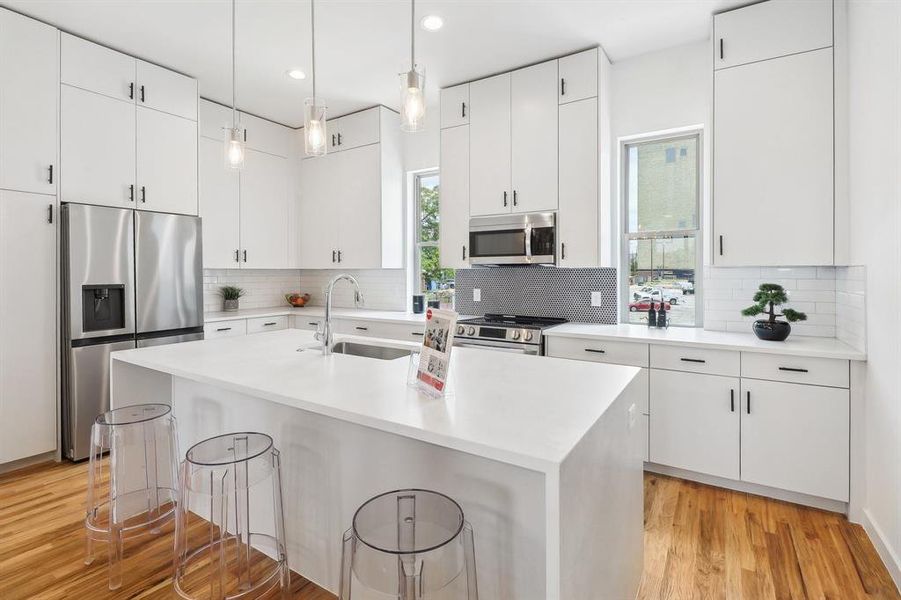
x,y
538,292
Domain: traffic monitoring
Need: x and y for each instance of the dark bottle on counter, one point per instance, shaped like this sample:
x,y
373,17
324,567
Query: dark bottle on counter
x,y
661,315
652,315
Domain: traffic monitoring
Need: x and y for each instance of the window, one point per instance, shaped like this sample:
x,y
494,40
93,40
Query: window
x,y
661,245
433,281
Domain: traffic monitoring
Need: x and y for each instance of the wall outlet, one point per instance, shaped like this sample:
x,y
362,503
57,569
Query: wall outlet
x,y
597,299
476,294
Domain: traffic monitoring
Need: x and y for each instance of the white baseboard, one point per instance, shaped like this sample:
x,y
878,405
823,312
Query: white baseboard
x,y
27,462
883,548
751,488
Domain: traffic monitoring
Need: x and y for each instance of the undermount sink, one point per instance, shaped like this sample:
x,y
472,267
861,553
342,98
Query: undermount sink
x,y
370,350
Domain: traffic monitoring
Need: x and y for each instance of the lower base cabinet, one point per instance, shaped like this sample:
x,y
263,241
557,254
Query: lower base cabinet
x,y
796,437
694,422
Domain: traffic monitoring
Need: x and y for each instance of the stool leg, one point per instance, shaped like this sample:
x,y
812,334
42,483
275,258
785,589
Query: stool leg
x,y
115,556
469,554
347,559
280,524
151,473
218,536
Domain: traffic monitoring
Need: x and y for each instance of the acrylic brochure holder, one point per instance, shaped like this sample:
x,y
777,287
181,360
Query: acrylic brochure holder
x,y
414,382
429,368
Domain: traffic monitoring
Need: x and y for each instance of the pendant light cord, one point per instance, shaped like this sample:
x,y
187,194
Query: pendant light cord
x,y
313,43
412,35
234,109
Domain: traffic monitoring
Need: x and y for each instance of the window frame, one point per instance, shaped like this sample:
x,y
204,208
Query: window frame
x,y
696,232
418,244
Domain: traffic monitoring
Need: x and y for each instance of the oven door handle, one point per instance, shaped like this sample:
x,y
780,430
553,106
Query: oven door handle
x,y
501,346
529,242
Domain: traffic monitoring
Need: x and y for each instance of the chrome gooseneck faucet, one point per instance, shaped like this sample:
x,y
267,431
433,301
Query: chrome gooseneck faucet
x,y
325,335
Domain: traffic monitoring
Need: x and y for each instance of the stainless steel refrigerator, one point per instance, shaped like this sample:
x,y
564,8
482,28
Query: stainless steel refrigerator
x,y
129,279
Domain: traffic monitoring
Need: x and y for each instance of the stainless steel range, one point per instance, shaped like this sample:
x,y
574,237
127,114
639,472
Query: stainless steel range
x,y
509,333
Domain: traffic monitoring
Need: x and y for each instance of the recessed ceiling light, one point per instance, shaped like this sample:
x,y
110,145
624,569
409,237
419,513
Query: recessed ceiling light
x,y
296,74
432,22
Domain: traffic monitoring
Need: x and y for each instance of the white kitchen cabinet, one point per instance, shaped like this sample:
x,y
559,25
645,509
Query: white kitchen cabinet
x,y
166,91
92,67
213,119
265,209
694,422
97,149
264,135
221,329
28,325
359,208
533,126
166,162
577,220
318,239
489,147
263,324
29,78
454,205
769,30
578,76
219,207
354,130
455,106
795,437
773,162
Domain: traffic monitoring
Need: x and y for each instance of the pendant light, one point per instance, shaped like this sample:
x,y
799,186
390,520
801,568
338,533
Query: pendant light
x,y
314,125
412,86
234,136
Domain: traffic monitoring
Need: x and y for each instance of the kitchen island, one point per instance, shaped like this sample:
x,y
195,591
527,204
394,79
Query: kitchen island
x,y
543,454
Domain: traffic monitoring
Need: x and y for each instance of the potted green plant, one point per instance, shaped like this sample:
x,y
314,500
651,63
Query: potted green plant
x,y
767,298
230,296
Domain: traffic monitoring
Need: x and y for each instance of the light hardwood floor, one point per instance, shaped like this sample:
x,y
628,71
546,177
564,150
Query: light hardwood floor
x,y
701,542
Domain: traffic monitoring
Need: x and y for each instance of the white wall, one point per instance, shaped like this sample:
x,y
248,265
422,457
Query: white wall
x,y
875,195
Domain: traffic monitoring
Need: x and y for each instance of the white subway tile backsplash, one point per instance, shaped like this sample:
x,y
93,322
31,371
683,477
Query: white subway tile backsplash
x,y
383,289
850,306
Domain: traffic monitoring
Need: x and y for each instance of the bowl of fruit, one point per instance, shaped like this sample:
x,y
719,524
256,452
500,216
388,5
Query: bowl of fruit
x,y
297,300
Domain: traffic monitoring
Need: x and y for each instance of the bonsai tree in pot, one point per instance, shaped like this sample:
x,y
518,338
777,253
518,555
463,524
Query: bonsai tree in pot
x,y
767,298
230,296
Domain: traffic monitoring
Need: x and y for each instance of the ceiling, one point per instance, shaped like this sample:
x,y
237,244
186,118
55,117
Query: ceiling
x,y
361,45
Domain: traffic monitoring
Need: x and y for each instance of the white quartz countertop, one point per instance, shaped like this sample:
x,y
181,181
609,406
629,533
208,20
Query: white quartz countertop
x,y
524,410
387,316
795,345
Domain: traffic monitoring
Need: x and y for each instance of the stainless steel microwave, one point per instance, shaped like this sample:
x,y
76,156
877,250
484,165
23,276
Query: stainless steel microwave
x,y
526,239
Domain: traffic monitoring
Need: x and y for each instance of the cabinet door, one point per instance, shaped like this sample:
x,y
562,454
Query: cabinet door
x,y
28,342
578,76
218,201
29,78
769,30
455,106
358,197
357,129
265,136
264,211
213,119
165,90
694,422
577,219
90,66
489,144
795,437
453,202
318,220
773,162
166,162
96,149
534,137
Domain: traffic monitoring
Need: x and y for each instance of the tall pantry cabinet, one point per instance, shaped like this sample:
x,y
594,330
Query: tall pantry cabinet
x,y
29,84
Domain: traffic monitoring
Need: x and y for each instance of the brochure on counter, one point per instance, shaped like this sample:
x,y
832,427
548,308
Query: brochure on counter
x,y
434,360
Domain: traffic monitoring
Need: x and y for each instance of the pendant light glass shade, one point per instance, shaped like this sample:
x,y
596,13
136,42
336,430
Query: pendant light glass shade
x,y
412,100
234,147
315,137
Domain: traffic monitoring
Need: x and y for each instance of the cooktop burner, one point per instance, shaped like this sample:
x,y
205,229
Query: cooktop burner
x,y
522,322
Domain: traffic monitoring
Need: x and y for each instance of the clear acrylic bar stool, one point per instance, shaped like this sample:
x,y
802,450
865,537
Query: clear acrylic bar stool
x,y
142,471
409,545
230,528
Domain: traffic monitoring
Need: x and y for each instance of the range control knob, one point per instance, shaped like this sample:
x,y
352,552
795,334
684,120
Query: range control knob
x,y
460,330
516,335
471,331
528,337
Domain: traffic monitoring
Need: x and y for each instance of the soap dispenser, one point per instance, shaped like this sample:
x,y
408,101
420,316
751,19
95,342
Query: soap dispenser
x,y
661,315
652,315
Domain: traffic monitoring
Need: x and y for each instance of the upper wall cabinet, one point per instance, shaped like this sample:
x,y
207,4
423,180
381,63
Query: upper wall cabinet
x,y
128,131
29,76
773,150
354,130
770,30
259,134
489,146
454,206
455,106
533,137
578,76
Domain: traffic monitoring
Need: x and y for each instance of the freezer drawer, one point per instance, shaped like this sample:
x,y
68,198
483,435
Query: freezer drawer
x,y
169,274
86,394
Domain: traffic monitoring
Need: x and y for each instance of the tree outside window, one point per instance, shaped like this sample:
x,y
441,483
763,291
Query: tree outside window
x,y
435,282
